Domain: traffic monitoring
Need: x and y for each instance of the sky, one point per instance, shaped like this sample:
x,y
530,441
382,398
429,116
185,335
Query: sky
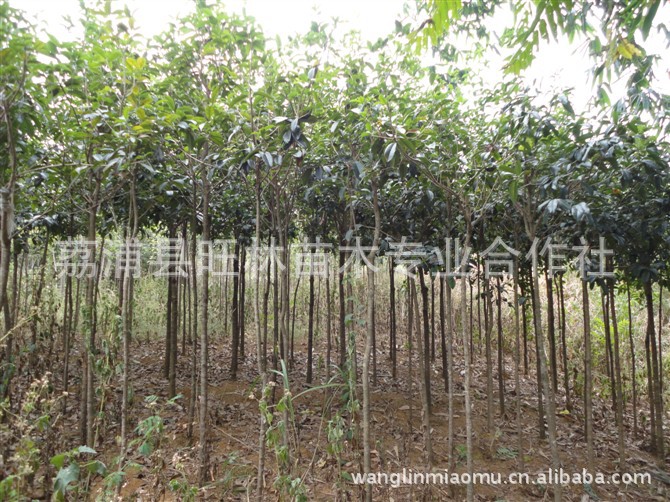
x,y
374,18
557,65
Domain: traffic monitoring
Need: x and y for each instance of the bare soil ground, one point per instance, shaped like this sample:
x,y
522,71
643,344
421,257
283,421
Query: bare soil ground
x,y
396,432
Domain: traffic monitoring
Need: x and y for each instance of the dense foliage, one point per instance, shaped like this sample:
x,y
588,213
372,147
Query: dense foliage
x,y
211,132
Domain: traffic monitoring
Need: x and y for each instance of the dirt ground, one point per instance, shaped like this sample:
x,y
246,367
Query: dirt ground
x,y
396,432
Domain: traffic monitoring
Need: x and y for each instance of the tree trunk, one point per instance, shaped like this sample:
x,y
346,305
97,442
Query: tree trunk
x,y
540,396
173,311
127,311
6,230
443,336
260,345
488,327
544,377
426,340
609,356
501,362
466,384
551,327
657,401
633,371
564,347
88,412
204,336
425,411
343,333
393,328
588,383
242,302
235,314
369,339
517,371
310,322
618,384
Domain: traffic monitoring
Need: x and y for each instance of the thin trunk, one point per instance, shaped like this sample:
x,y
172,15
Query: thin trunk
x,y
10,316
660,338
67,329
618,384
410,377
277,342
172,312
88,433
443,336
588,384
6,230
37,295
524,329
471,322
260,344
310,321
564,346
242,302
168,314
127,310
425,400
183,285
479,314
551,327
449,369
609,356
488,327
284,327
193,309
367,461
633,370
538,333
266,305
501,362
657,401
517,371
329,314
235,314
369,342
426,340
343,333
544,377
278,348
393,321
466,384
650,392
293,318
204,336
432,319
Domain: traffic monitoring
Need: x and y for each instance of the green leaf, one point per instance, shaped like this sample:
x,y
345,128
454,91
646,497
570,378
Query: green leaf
x,y
580,211
390,150
58,460
86,449
146,448
514,190
65,477
115,478
96,467
649,18
566,104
